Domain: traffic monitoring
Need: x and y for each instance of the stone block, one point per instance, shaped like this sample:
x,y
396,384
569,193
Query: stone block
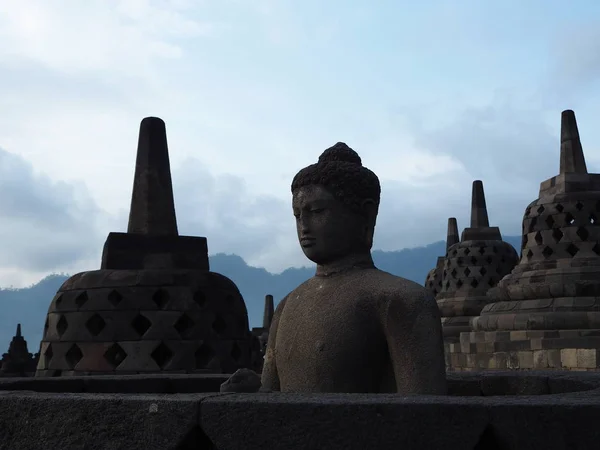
x,y
540,359
586,358
525,359
568,357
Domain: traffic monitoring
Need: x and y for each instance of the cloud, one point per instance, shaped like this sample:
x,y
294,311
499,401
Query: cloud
x,y
46,225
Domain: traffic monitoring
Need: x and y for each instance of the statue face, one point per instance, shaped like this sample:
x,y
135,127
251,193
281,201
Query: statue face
x,y
327,228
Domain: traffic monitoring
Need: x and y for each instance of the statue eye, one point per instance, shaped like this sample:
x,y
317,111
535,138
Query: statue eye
x,y
317,210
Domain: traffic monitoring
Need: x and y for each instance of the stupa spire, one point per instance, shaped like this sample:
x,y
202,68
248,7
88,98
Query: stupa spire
x,y
269,310
571,152
479,215
152,206
18,334
452,234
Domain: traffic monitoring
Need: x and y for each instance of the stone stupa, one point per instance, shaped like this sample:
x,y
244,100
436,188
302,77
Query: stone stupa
x,y
17,361
154,306
472,266
433,281
546,313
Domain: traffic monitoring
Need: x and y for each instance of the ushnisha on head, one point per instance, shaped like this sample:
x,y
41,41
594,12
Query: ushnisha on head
x,y
335,202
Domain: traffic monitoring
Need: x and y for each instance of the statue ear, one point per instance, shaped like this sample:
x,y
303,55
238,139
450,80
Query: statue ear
x,y
369,208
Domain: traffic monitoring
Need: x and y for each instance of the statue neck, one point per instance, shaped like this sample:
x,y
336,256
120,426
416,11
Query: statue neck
x,y
350,262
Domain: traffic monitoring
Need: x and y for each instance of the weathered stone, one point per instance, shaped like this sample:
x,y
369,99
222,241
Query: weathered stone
x,y
243,380
346,329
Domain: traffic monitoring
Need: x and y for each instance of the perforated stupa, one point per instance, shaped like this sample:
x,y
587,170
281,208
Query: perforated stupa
x,y
471,267
153,306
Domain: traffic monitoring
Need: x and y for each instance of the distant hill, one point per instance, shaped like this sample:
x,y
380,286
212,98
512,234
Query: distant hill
x,y
29,305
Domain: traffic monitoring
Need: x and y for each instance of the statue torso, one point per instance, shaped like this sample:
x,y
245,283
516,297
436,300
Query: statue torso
x,y
330,336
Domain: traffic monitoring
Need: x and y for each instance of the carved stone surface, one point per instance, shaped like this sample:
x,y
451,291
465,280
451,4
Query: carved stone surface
x,y
555,289
153,306
261,334
471,267
345,329
18,362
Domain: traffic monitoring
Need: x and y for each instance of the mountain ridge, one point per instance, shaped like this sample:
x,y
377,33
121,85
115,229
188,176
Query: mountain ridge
x,y
29,305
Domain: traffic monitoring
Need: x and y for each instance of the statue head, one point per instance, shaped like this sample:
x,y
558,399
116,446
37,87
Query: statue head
x,y
335,202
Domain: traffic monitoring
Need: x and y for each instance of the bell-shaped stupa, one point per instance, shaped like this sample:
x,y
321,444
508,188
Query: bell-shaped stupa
x,y
17,362
546,313
472,266
433,282
154,306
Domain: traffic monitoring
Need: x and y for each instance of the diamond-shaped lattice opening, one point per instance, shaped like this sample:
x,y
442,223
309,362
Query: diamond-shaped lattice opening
x,y
547,252
453,273
524,241
557,235
579,206
61,326
73,356
114,297
592,219
482,271
454,252
488,260
459,283
203,356
115,355
200,298
161,355
236,352
447,284
46,325
474,283
538,238
473,260
560,208
219,324
481,250
491,282
48,355
549,221
494,249
459,260
582,233
569,219
467,272
572,250
160,297
58,300
532,224
529,254
183,324
95,324
596,249
527,211
541,209
81,299
141,324
467,251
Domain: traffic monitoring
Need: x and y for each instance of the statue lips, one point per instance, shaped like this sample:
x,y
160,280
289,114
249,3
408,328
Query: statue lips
x,y
306,242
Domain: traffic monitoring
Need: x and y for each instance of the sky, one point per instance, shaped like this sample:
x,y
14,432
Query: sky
x,y
431,94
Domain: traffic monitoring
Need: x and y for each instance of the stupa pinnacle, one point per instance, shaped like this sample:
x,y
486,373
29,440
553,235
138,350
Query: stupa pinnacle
x,y
433,281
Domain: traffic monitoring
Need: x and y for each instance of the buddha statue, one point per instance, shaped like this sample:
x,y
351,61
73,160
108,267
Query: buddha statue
x,y
351,328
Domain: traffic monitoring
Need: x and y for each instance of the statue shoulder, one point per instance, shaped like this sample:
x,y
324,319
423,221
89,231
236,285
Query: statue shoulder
x,y
405,295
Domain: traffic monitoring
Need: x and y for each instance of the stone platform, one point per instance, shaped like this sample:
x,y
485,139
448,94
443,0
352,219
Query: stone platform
x,y
577,350
485,410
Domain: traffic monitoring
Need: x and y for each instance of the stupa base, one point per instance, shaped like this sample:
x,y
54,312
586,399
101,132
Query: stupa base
x,y
575,350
